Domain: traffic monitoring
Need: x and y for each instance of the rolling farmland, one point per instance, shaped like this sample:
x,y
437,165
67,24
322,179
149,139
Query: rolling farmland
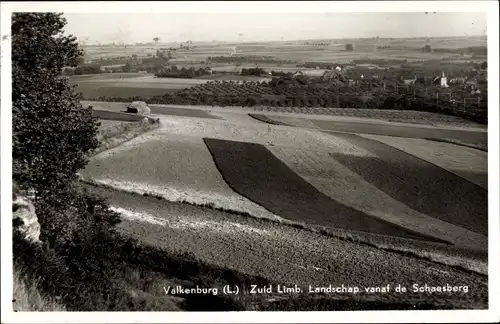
x,y
183,172
130,86
177,137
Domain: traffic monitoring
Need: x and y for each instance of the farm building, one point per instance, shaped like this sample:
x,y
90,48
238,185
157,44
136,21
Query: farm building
x,y
459,80
410,81
471,83
475,81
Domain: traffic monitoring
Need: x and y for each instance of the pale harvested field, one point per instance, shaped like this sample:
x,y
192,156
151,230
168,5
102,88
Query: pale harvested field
x,y
468,163
175,168
340,183
258,133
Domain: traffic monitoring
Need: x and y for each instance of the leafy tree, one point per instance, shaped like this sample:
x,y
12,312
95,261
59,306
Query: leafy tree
x,y
129,67
427,48
349,47
88,69
52,132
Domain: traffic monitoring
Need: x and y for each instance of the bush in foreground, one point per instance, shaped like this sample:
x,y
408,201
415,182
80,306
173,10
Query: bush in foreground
x,y
52,132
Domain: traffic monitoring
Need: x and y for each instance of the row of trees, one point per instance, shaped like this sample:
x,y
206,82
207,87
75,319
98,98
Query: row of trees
x,y
113,60
184,73
253,71
247,59
88,69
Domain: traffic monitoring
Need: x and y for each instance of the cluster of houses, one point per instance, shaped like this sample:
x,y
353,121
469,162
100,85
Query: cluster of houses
x,y
471,83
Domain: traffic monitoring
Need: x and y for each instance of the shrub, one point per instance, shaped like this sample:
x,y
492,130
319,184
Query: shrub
x,y
253,71
88,69
52,132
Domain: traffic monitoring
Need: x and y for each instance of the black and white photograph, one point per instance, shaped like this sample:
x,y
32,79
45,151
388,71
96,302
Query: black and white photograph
x,y
237,160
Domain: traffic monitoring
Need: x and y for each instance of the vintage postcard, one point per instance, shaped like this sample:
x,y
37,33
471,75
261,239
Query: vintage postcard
x,y
250,161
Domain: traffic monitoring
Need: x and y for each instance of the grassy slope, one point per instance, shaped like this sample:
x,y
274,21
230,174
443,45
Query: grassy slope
x,y
287,255
28,298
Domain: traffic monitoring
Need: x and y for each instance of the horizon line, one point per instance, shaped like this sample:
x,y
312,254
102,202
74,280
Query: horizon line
x,y
284,40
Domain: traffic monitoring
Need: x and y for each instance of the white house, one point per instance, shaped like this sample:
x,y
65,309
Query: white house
x,y
410,81
442,80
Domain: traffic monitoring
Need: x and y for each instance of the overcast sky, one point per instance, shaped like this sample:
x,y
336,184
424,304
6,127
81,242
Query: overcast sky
x,y
132,28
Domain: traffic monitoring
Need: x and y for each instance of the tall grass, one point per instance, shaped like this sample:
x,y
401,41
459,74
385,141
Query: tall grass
x,y
28,298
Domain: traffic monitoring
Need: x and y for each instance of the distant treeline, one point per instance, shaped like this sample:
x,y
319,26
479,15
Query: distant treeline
x,y
253,71
183,73
472,50
331,66
115,60
247,59
84,69
381,62
320,65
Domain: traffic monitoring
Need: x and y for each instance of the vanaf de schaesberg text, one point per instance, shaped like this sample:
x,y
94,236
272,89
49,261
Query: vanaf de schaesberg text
x,y
341,289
